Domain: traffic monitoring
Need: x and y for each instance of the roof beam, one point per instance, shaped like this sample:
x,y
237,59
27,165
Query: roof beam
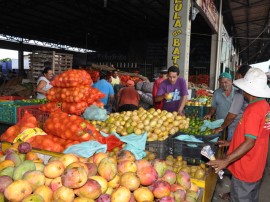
x,y
253,5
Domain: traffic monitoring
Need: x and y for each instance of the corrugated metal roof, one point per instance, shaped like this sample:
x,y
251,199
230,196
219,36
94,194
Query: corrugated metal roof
x,y
112,24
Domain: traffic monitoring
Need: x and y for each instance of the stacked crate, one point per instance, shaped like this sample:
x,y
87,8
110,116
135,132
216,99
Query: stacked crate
x,y
60,62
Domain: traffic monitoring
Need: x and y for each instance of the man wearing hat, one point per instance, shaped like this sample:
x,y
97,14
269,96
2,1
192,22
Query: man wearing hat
x,y
222,98
128,98
162,77
246,157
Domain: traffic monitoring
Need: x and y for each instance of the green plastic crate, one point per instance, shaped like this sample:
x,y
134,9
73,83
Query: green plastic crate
x,y
8,110
196,111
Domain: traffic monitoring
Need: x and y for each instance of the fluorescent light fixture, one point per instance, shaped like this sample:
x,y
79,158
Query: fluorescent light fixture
x,y
44,44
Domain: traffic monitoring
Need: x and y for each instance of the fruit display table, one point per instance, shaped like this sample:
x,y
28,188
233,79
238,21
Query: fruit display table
x,y
42,153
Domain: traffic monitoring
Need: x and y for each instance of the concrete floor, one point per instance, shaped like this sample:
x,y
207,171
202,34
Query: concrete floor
x,y
223,186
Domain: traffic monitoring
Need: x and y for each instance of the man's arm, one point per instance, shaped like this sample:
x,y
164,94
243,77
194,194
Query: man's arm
x,y
118,99
228,120
159,98
211,112
182,104
111,97
244,148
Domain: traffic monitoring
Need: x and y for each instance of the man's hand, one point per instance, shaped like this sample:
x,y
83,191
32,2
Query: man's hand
x,y
217,130
218,164
222,143
207,116
167,96
181,112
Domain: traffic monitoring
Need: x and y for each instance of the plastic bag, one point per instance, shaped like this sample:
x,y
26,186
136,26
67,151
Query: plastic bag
x,y
134,143
95,113
28,133
211,125
86,149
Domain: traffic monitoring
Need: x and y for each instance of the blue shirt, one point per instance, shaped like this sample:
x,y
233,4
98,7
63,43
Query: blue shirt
x,y
222,103
106,88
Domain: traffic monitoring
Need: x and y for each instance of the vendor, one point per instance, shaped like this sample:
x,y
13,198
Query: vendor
x,y
222,98
173,92
43,83
128,98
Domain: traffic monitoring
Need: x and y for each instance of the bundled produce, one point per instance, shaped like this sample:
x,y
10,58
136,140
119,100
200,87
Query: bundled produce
x,y
158,124
145,91
94,74
75,95
72,78
124,79
51,143
115,177
27,121
72,127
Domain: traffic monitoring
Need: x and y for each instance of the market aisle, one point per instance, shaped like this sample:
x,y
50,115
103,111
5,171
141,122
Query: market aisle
x,y
223,186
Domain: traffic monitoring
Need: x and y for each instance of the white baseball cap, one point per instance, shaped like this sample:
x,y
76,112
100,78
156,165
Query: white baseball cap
x,y
254,83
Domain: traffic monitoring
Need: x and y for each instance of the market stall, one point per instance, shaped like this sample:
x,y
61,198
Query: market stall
x,y
141,145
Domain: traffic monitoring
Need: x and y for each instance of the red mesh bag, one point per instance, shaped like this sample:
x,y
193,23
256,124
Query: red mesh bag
x,y
27,121
74,107
72,78
69,127
51,106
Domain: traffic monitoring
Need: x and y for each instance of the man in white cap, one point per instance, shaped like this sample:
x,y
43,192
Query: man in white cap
x,y
246,157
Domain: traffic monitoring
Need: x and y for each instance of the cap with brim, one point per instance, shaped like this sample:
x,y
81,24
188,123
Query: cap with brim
x,y
225,75
254,83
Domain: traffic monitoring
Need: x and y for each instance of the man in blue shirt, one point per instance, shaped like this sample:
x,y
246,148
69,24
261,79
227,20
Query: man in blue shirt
x,y
105,87
222,98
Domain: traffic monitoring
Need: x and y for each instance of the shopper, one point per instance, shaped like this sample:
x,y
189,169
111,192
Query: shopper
x,y
222,98
162,77
246,157
105,87
128,98
43,83
234,115
172,92
115,78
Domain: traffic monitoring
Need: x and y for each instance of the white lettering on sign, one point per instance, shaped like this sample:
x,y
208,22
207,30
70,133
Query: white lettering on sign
x,y
177,25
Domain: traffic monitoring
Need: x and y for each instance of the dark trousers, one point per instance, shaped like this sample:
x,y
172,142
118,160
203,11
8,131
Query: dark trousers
x,y
127,107
244,191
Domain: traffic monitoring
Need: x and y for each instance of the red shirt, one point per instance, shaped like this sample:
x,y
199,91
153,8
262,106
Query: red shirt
x,y
128,95
250,167
157,105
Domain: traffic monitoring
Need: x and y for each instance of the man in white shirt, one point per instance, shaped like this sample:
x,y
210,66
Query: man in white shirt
x,y
115,78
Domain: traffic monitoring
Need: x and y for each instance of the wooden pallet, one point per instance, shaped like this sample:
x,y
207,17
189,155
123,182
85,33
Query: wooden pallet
x,y
60,62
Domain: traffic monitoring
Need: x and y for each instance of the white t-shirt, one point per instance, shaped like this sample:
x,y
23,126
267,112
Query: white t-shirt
x,y
46,87
115,80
